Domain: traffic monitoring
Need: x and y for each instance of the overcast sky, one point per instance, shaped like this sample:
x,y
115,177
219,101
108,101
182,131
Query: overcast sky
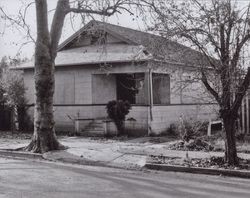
x,y
12,39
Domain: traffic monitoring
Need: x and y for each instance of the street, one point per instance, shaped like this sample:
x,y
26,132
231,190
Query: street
x,y
26,178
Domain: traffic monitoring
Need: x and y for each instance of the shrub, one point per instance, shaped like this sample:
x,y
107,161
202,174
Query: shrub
x,y
12,93
189,129
117,111
172,130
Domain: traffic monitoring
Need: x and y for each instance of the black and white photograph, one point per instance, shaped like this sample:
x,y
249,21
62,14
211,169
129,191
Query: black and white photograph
x,y
124,98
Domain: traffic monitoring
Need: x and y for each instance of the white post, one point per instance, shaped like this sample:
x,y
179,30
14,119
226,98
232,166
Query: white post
x,y
243,115
247,112
104,122
77,126
151,100
209,128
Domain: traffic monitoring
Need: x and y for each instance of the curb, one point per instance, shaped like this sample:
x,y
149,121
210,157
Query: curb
x,y
20,154
197,170
82,161
8,153
75,161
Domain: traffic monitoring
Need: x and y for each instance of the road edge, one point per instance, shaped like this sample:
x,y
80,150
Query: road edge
x,y
20,154
198,170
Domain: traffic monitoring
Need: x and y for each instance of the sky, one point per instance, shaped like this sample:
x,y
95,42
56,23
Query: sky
x,y
12,39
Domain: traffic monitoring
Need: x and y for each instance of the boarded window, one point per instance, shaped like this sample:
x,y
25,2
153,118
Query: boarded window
x,y
103,88
64,89
161,88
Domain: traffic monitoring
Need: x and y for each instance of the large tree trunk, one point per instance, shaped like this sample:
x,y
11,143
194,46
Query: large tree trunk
x,y
230,140
44,138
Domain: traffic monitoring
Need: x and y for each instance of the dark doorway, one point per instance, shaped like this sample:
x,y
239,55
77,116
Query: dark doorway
x,y
126,87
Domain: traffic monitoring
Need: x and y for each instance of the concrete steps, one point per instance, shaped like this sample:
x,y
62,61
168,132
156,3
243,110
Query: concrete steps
x,y
95,128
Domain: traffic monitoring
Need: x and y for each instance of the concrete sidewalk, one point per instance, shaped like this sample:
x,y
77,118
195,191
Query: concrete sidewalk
x,y
131,154
111,149
111,153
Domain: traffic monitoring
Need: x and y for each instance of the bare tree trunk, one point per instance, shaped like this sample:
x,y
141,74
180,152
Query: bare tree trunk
x,y
230,140
44,138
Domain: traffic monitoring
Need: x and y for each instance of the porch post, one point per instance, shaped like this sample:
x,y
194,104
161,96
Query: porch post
x,y
247,112
243,115
151,102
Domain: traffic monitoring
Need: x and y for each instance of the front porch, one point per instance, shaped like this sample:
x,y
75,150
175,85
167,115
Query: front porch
x,y
142,89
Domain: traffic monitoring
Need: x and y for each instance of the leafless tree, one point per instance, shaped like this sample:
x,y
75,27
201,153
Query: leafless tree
x,y
46,44
220,30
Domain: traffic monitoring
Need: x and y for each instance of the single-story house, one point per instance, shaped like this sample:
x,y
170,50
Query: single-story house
x,y
103,62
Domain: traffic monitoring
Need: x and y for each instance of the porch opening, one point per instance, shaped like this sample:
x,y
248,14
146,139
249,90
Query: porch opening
x,y
131,88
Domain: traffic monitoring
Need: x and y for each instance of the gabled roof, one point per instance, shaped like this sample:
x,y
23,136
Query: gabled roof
x,y
93,25
135,46
159,47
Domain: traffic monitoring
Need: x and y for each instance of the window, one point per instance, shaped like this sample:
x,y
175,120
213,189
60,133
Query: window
x,y
161,88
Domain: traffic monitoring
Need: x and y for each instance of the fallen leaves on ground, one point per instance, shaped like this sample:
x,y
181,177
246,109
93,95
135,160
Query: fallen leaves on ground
x,y
192,145
213,162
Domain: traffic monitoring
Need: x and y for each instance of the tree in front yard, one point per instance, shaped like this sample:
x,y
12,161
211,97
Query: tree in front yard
x,y
47,39
220,30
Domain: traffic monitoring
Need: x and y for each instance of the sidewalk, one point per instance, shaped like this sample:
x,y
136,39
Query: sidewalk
x,y
130,154
101,152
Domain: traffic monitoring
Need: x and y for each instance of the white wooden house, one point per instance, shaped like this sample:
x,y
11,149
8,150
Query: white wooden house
x,y
103,62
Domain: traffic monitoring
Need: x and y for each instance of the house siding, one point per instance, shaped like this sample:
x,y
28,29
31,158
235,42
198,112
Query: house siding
x,y
163,116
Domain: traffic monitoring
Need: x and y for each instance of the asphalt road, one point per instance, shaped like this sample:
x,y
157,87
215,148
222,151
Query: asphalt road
x,y
24,179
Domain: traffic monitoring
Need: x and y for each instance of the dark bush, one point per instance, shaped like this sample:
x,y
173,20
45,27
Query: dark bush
x,y
117,111
24,120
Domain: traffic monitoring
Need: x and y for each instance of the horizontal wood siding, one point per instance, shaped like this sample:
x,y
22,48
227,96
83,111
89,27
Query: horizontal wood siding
x,y
163,116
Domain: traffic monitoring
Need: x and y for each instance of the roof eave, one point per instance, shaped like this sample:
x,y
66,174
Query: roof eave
x,y
88,63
